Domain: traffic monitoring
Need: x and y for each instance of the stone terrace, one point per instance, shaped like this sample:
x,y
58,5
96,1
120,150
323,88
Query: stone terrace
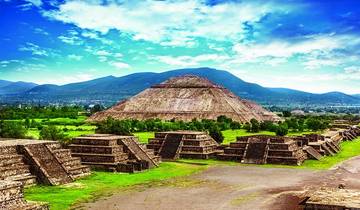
x,y
183,144
32,161
113,153
264,149
12,197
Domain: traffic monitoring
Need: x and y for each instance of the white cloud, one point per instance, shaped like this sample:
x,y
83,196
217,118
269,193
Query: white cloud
x,y
75,57
167,22
120,65
34,49
102,53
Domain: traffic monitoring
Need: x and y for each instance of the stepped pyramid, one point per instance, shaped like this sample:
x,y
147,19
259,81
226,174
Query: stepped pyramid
x,y
185,98
30,161
113,153
261,149
183,144
12,197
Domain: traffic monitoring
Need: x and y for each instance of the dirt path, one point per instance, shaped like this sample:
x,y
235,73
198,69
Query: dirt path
x,y
233,187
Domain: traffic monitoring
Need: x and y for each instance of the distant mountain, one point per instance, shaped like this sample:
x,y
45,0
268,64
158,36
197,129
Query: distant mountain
x,y
7,87
357,95
112,89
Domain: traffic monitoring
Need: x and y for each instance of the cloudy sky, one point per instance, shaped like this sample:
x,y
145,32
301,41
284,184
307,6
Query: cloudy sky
x,y
301,44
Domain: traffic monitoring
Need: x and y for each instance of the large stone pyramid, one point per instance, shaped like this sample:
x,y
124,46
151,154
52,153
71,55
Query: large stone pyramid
x,y
185,98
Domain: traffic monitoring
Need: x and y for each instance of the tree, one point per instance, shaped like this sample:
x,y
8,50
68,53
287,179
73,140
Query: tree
x,y
286,114
12,130
51,132
216,134
118,127
27,123
255,125
96,108
282,129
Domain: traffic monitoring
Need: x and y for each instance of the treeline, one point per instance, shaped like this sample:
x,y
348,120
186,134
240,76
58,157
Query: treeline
x,y
14,113
127,127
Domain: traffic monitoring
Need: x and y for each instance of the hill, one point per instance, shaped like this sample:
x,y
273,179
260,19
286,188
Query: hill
x,y
111,89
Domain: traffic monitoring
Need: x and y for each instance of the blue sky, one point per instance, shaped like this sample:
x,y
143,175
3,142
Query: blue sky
x,y
300,44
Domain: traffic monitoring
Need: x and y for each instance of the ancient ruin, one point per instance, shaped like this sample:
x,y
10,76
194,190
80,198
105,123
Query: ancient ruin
x,y
262,149
183,144
186,98
332,199
113,153
12,197
32,161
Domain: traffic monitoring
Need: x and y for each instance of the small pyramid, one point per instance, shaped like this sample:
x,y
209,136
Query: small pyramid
x,y
185,98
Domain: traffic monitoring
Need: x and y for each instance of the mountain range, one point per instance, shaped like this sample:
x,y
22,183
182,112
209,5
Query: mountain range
x,y
109,90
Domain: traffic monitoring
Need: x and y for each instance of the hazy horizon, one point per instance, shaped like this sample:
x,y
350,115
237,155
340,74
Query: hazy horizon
x,y
305,45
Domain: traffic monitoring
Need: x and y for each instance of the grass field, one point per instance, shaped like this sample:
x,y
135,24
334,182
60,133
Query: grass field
x,y
105,183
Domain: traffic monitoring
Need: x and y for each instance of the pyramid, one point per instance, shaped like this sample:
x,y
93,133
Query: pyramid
x,y
185,98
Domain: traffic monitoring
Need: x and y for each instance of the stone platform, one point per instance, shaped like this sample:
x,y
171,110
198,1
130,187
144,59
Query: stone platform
x,y
183,144
32,161
12,198
332,199
262,149
113,153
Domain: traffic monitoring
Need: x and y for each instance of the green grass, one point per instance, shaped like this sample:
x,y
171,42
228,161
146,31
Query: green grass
x,y
105,183
144,136
349,149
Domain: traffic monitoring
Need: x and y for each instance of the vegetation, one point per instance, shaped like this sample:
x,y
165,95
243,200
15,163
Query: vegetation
x,y
103,183
31,112
12,130
53,133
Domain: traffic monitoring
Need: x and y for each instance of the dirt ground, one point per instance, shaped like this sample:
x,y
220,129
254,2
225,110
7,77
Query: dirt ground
x,y
234,187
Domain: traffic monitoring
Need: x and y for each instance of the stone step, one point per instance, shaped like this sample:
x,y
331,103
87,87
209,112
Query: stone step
x,y
11,160
96,149
90,157
26,179
71,162
27,206
12,171
62,153
79,170
100,141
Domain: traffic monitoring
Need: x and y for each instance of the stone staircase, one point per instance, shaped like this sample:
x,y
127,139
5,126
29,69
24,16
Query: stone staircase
x,y
72,165
112,153
139,152
12,197
193,144
13,167
171,146
45,163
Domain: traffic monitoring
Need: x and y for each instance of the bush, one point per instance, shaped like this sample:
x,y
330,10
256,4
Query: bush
x,y
51,132
12,130
216,134
114,127
255,125
282,129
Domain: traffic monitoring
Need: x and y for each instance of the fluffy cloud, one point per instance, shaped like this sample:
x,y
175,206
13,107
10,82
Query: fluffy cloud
x,y
34,49
166,22
120,65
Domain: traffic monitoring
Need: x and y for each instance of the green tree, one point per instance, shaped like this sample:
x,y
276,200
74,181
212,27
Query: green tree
x,y
12,130
216,134
255,125
282,129
51,132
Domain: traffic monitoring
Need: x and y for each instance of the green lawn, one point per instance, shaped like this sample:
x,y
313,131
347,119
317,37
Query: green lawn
x,y
144,136
104,183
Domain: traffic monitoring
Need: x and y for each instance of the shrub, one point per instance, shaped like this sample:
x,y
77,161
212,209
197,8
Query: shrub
x,y
51,132
12,130
282,129
216,134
